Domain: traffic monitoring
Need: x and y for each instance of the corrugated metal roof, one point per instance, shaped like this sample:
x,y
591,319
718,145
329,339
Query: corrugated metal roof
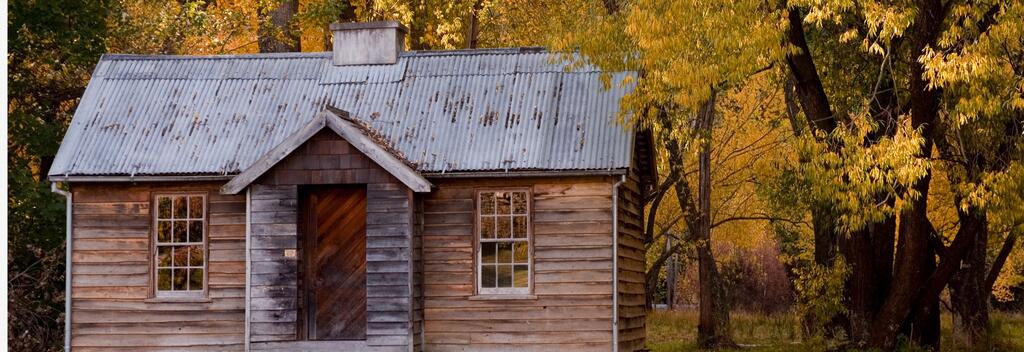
x,y
467,110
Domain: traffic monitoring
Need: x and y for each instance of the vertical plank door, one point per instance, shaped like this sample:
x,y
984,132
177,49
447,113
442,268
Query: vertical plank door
x,y
336,264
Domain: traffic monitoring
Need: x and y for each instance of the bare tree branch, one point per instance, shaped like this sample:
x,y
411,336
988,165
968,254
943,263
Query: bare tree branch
x,y
757,217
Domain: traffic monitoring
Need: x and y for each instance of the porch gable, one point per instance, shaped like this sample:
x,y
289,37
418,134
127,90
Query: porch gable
x,y
358,137
327,157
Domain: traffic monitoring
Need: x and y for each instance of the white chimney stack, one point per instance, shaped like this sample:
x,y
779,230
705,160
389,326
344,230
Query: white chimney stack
x,y
368,43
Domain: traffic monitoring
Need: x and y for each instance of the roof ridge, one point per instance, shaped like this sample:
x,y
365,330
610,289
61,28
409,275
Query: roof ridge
x,y
289,55
479,51
325,54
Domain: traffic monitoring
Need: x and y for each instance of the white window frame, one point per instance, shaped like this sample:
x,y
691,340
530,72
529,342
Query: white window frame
x,y
156,244
478,241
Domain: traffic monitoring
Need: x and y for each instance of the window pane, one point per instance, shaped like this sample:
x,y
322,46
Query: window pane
x,y
195,279
504,227
487,227
163,231
195,255
195,231
521,251
504,252
180,267
195,207
180,256
164,207
487,203
519,202
519,227
180,208
504,276
180,231
487,250
180,281
521,276
163,279
487,274
502,200
163,257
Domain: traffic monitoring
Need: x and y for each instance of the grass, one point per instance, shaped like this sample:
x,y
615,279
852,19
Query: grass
x,y
677,331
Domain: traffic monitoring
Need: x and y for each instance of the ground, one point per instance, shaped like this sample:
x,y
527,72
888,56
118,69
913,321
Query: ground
x,y
677,330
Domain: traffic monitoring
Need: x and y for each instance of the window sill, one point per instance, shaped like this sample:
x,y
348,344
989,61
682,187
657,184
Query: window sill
x,y
178,300
502,297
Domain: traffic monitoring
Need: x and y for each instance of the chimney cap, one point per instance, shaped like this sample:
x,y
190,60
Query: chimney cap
x,y
368,25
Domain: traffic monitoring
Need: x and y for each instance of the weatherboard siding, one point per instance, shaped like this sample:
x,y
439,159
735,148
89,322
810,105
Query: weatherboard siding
x,y
572,239
112,307
324,160
631,257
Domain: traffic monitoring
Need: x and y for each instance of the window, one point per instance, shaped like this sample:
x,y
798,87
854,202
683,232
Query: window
x,y
503,259
180,245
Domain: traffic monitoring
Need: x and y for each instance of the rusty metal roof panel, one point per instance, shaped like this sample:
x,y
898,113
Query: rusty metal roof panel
x,y
448,111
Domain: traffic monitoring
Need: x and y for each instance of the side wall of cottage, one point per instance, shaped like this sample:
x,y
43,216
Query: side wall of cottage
x,y
632,256
112,279
328,159
572,256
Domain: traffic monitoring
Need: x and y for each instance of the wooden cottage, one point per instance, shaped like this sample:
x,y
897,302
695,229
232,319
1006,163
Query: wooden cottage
x,y
367,199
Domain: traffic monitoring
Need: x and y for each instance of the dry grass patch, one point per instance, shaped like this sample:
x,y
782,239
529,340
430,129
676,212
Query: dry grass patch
x,y
677,331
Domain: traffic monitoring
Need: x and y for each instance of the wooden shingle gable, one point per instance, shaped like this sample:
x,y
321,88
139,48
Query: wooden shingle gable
x,y
338,121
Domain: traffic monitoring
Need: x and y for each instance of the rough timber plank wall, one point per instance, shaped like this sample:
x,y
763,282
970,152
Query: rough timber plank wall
x,y
111,275
632,321
417,285
572,238
273,292
328,159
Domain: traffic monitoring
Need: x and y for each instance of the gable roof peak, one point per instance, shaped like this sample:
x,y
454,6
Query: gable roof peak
x,y
338,121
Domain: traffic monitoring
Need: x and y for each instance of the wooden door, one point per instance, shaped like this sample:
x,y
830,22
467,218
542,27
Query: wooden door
x,y
336,264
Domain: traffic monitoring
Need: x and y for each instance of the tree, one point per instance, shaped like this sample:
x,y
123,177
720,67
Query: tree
x,y
902,37
277,32
978,143
53,46
181,27
873,122
685,57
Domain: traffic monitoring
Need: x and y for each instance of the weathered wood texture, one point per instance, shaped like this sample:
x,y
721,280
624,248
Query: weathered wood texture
x,y
111,273
329,125
632,253
273,282
417,274
328,159
335,262
572,251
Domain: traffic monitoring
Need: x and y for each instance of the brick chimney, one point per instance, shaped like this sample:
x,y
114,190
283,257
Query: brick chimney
x,y
368,43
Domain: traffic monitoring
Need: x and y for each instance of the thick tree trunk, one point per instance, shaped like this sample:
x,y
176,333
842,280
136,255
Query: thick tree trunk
x,y
473,28
869,254
810,92
713,327
906,310
275,33
418,25
809,89
969,293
